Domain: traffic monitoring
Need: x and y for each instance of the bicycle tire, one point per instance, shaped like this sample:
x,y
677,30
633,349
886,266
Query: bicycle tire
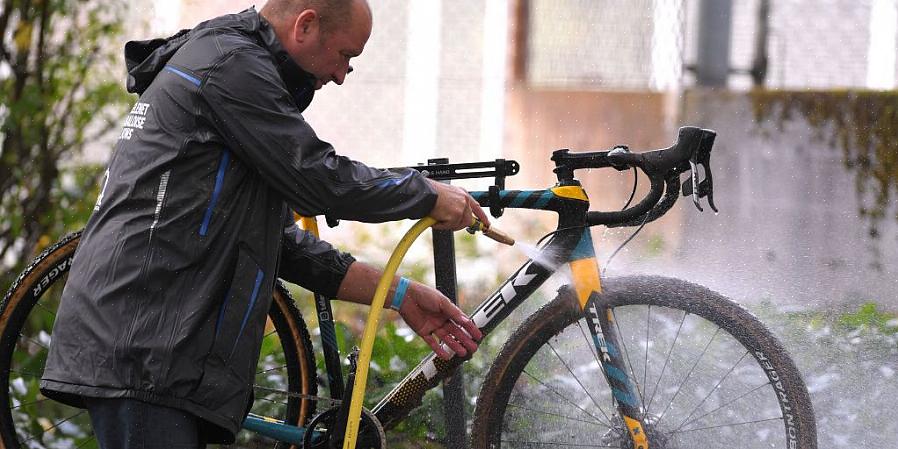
x,y
26,315
511,406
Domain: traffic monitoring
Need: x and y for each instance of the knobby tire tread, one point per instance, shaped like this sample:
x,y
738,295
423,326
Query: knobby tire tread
x,y
564,311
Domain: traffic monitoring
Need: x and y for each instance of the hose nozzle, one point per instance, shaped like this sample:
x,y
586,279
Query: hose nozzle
x,y
490,232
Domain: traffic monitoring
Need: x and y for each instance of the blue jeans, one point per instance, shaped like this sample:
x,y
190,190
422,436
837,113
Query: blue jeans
x,y
131,424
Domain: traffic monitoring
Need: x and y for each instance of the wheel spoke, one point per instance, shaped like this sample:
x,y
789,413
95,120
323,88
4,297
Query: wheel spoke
x,y
553,443
712,390
680,387
645,366
270,369
38,304
543,412
627,355
563,397
29,403
34,341
591,345
270,400
743,423
697,418
57,424
666,362
90,438
25,373
588,394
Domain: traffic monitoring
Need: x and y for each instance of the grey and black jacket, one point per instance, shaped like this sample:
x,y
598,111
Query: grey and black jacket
x,y
169,289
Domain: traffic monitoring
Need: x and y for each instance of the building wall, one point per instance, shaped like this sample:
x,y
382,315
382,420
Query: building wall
x,y
789,229
824,44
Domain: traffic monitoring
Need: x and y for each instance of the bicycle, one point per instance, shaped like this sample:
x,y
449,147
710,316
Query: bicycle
x,y
635,361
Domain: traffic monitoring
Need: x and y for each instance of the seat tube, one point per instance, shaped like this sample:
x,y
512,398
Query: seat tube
x,y
600,321
326,326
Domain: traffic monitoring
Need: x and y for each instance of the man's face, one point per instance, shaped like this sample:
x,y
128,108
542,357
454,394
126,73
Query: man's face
x,y
325,53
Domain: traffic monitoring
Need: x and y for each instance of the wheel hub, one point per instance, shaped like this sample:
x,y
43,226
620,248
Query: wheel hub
x,y
619,436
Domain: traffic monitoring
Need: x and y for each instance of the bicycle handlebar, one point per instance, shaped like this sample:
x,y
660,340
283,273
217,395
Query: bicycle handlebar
x,y
663,167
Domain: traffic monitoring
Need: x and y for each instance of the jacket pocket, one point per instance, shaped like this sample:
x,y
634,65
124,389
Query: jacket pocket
x,y
216,191
237,315
239,324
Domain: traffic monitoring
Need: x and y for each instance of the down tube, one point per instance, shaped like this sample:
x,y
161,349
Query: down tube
x,y
432,370
600,321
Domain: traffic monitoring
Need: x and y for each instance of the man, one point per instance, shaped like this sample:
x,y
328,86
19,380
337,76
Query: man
x,y
159,330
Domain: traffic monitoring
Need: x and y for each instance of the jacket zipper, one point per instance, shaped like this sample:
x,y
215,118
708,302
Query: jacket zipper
x,y
249,308
216,191
221,312
157,212
160,198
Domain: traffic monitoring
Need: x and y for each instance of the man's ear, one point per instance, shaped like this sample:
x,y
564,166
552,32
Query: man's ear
x,y
306,25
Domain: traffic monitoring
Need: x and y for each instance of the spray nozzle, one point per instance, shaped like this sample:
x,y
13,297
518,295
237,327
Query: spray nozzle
x,y
490,232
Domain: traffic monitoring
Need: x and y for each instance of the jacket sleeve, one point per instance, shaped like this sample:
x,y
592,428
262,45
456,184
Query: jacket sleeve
x,y
258,119
312,263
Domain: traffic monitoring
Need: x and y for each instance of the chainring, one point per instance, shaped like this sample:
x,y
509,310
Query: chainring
x,y
317,436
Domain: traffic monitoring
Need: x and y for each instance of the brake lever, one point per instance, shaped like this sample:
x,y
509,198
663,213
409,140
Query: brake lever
x,y
692,188
700,189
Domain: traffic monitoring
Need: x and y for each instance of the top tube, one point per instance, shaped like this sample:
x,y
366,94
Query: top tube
x,y
554,199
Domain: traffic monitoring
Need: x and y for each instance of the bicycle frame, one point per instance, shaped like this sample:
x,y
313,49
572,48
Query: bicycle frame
x,y
570,244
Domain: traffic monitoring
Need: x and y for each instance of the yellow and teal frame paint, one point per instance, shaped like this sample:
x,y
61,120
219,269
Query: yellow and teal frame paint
x,y
571,243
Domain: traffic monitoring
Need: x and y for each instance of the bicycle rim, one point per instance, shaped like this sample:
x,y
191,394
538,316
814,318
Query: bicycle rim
x,y
706,372
30,420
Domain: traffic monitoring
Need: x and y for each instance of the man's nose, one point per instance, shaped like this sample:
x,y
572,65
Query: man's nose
x,y
340,76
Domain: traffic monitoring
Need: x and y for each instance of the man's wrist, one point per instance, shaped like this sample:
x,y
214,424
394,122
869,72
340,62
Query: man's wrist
x,y
400,293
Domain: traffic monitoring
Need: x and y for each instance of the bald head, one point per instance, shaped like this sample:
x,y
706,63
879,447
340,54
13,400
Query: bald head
x,y
333,14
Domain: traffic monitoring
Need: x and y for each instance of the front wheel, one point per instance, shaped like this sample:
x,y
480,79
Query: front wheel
x,y
707,372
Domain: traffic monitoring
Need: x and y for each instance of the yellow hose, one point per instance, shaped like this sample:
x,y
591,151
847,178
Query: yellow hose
x,y
377,304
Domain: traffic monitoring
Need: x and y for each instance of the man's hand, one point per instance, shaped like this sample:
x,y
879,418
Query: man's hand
x,y
432,316
455,208
427,311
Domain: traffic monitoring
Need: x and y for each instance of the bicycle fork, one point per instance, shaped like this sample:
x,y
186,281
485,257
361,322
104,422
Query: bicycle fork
x,y
600,321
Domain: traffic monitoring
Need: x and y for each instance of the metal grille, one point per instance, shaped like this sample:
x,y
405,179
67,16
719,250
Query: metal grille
x,y
823,44
605,44
644,44
811,45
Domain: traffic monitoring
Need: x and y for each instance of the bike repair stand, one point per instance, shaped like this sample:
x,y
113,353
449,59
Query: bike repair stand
x,y
447,284
446,281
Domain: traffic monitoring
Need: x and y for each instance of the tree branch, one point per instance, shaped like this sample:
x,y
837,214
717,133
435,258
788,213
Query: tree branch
x,y
4,22
92,138
20,62
41,43
68,102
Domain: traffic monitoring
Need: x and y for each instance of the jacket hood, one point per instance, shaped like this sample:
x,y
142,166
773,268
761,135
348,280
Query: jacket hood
x,y
145,59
